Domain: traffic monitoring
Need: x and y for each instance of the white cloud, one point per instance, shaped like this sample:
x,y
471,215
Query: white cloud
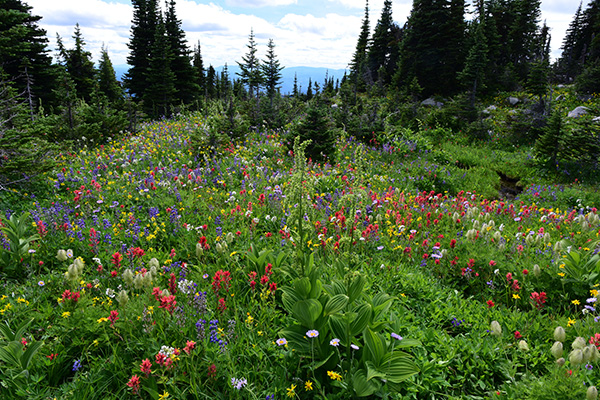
x,y
260,3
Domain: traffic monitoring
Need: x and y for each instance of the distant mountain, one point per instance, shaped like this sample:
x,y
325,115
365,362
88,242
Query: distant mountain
x,y
316,74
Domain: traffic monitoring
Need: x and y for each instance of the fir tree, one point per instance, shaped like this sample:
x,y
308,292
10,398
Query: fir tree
x,y
295,87
108,85
24,46
199,73
251,73
79,65
271,70
141,44
185,86
379,59
211,77
358,65
568,65
160,91
316,126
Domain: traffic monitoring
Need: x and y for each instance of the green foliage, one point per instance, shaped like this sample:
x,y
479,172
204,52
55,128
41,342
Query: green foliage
x,y
588,81
316,127
16,230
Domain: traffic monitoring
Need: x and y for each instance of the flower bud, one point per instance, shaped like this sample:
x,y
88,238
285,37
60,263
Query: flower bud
x,y
576,357
592,393
558,247
147,279
595,353
72,273
229,238
61,255
587,354
153,263
578,343
557,349
496,328
199,250
559,333
537,271
122,298
560,361
523,346
128,276
497,236
79,264
138,281
165,293
153,272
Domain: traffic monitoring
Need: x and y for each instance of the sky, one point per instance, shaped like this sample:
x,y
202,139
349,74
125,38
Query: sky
x,y
313,33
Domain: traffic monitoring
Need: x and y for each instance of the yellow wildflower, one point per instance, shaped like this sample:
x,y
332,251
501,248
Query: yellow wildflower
x,y
571,322
516,296
66,314
308,386
575,302
291,392
334,375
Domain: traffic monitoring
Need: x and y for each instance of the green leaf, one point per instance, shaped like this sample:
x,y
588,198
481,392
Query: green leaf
x,y
302,286
375,346
363,387
363,316
336,304
404,343
373,372
28,354
400,368
10,354
339,326
307,312
356,287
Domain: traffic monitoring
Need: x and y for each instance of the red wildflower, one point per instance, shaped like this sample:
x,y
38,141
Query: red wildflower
x,y
539,299
134,384
515,285
490,303
525,272
221,280
146,366
221,307
116,259
189,346
509,277
518,335
168,303
272,287
172,284
264,279
114,315
113,274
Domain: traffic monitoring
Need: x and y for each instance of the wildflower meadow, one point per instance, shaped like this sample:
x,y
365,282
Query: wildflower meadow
x,y
153,267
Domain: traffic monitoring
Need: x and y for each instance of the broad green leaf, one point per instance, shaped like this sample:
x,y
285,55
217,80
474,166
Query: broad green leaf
x,y
363,316
401,368
373,372
404,343
363,387
356,287
28,354
339,326
375,346
336,304
302,286
307,312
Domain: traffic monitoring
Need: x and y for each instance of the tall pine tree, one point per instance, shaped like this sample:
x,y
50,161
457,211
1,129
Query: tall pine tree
x,y
79,65
108,85
358,66
251,74
271,70
141,43
160,79
199,73
185,86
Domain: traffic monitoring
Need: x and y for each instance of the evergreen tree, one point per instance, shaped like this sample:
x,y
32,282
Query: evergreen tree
x,y
199,73
108,85
24,53
185,86
569,65
548,144
295,88
251,73
78,63
225,88
141,43
271,70
380,62
211,77
474,73
315,126
160,91
309,90
358,66
431,48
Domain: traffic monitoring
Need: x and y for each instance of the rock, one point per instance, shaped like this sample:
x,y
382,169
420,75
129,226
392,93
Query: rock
x,y
432,103
334,106
490,109
512,100
560,97
578,112
596,120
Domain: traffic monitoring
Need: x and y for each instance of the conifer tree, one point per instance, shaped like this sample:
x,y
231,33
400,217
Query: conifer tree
x,y
474,73
107,81
143,33
199,73
78,63
185,85
24,46
251,73
211,77
547,145
379,60
160,79
569,65
295,87
271,70
358,66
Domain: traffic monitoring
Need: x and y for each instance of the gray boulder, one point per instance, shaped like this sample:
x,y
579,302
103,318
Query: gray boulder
x,y
512,101
578,112
489,109
432,103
